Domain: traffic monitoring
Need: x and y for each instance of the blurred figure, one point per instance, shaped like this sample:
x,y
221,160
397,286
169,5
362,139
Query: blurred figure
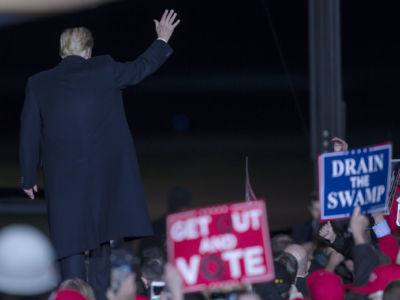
x,y
248,296
152,271
325,285
126,291
279,242
173,283
26,262
378,280
303,264
79,285
67,294
392,291
303,232
290,263
42,7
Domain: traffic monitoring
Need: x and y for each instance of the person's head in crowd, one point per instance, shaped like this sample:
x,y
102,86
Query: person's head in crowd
x,y
76,41
26,262
290,263
380,277
392,290
179,199
151,269
67,294
303,264
153,252
314,206
79,285
279,242
325,285
283,280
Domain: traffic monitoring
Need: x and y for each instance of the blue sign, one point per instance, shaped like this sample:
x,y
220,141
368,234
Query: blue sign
x,y
357,177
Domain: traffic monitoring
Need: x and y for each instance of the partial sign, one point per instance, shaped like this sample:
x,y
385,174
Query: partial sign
x,y
394,184
357,177
222,245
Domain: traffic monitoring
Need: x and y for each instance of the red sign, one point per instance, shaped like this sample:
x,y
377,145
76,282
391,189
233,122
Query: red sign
x,y
221,245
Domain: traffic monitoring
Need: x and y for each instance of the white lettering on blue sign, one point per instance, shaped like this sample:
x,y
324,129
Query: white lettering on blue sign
x,y
349,166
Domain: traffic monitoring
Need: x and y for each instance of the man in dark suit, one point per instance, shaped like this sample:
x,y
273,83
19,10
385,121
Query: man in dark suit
x,y
74,113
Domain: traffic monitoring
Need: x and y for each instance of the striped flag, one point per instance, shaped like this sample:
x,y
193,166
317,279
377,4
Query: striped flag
x,y
249,194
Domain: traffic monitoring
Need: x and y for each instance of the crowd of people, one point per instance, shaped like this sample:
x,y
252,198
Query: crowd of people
x,y
347,259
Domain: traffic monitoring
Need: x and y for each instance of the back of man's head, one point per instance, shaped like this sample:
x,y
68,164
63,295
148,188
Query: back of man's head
x,y
79,285
301,256
392,291
75,41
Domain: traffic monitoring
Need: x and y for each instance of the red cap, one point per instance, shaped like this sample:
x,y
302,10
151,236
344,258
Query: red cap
x,y
66,294
325,285
379,279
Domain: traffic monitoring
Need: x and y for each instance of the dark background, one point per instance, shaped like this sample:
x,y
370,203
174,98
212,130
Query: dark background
x,y
224,94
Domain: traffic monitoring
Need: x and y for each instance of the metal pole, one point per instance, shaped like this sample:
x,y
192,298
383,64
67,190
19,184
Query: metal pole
x,y
327,113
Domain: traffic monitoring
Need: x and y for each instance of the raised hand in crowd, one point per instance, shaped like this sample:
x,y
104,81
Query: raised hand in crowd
x,y
339,144
126,291
165,27
335,259
358,225
327,232
378,217
173,283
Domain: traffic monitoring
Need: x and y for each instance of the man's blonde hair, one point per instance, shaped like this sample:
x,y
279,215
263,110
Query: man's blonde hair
x,y
79,285
75,41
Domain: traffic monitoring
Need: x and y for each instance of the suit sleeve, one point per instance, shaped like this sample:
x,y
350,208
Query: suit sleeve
x,y
133,72
29,146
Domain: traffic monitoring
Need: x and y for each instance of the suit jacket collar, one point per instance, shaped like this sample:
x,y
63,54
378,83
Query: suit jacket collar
x,y
72,60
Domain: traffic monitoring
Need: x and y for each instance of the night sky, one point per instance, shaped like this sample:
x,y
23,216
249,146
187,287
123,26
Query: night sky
x,y
226,74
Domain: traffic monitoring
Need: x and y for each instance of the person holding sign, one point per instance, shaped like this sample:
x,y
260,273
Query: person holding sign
x,y
357,177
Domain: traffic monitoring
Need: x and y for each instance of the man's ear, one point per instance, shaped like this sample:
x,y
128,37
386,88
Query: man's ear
x,y
88,53
145,282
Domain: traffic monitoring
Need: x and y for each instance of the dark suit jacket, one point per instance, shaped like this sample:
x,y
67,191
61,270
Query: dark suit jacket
x,y
75,113
303,232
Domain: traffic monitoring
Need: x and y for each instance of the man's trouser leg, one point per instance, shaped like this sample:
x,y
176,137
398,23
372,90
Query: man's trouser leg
x,y
73,266
99,270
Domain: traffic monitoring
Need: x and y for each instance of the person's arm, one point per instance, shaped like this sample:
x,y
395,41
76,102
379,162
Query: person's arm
x,y
173,283
126,290
338,243
387,243
29,143
364,256
133,72
335,259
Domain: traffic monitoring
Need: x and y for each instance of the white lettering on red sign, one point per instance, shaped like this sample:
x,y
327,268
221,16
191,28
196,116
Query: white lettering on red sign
x,y
190,229
252,258
242,222
218,243
189,272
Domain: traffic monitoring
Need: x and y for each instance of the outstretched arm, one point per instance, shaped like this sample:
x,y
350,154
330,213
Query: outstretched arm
x,y
133,72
